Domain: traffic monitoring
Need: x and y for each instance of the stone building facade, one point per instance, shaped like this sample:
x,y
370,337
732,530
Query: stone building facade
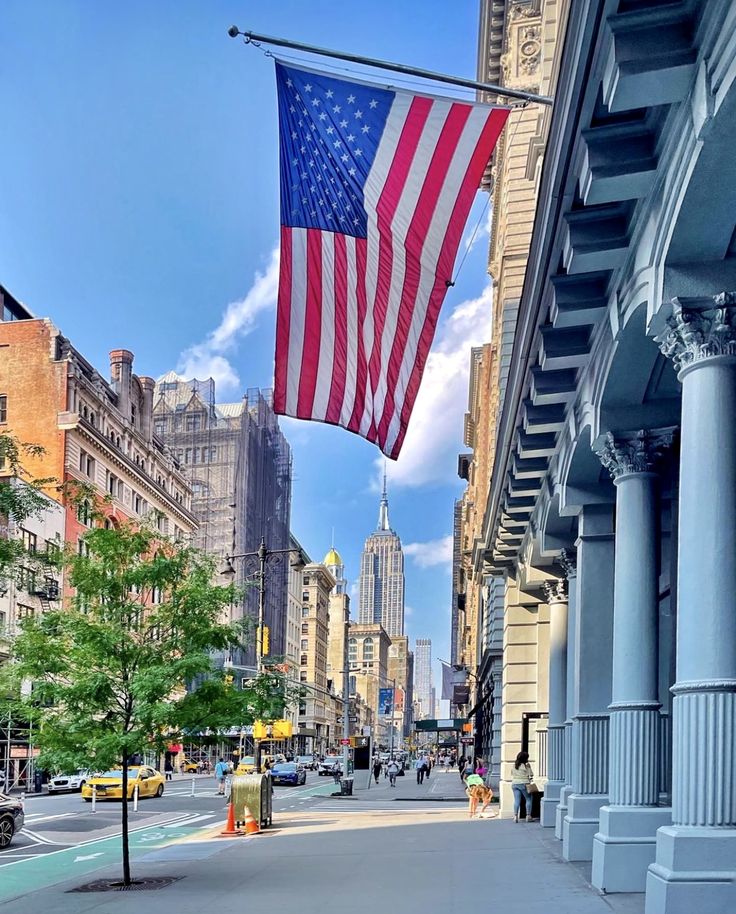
x,y
317,707
609,535
368,647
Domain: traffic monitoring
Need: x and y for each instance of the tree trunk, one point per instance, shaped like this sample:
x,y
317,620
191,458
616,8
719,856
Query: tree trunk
x,y
126,849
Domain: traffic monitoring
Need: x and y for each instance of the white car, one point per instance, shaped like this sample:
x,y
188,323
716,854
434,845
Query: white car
x,y
64,782
327,767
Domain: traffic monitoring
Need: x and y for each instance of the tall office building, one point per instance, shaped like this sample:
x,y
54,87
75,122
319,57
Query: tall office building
x,y
423,677
382,576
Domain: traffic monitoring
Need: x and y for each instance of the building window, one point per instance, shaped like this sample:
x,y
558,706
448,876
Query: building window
x,y
305,612
353,650
30,540
303,676
82,547
193,423
305,628
112,484
24,612
27,579
84,513
302,707
305,644
303,660
132,413
3,409
86,464
368,649
159,427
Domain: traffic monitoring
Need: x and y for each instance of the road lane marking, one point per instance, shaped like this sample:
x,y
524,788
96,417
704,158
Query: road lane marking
x,y
89,856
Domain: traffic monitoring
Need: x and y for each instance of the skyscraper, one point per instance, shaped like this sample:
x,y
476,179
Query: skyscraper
x,y
382,576
423,677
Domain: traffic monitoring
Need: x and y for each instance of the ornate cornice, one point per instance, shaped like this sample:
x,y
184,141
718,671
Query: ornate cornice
x,y
556,590
633,453
568,560
694,334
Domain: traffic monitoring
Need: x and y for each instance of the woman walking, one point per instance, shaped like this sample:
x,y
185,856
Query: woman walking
x,y
521,777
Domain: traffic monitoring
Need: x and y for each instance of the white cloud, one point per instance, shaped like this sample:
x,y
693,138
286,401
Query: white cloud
x,y
433,552
208,359
408,610
434,438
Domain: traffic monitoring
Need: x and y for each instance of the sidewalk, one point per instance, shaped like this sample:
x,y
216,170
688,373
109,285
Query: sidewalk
x,y
363,860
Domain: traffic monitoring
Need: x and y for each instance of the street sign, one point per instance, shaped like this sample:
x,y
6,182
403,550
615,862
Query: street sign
x,y
344,742
455,724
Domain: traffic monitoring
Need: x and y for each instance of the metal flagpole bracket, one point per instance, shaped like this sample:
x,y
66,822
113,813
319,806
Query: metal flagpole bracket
x,y
256,39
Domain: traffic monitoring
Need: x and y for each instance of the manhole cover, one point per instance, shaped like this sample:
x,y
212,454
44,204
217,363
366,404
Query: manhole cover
x,y
138,885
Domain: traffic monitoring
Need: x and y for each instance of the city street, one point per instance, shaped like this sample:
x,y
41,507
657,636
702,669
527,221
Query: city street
x,y
62,834
409,842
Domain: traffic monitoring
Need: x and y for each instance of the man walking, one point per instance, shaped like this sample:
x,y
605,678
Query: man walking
x,y
221,771
420,766
393,769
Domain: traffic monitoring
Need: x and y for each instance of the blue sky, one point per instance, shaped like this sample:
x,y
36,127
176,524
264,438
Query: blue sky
x,y
139,208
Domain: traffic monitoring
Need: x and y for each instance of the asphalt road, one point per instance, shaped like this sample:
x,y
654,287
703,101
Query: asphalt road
x,y
62,832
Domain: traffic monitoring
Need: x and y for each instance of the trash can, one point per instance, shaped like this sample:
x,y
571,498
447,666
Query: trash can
x,y
38,781
346,787
255,792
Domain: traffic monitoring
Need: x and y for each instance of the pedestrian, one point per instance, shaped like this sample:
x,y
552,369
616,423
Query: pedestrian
x,y
168,768
477,792
336,772
377,769
421,769
462,762
480,767
521,777
428,766
393,769
221,770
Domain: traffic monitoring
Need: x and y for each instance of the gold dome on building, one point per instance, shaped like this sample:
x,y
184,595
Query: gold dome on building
x,y
333,558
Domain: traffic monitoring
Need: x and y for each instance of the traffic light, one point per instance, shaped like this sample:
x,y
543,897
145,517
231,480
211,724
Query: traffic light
x,y
266,642
228,679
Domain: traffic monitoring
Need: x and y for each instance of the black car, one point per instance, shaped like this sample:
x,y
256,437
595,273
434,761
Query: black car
x,y
11,819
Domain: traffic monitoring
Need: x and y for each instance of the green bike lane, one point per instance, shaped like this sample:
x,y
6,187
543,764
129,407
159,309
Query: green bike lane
x,y
22,876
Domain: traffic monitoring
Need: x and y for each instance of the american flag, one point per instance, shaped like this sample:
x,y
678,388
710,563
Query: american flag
x,y
376,186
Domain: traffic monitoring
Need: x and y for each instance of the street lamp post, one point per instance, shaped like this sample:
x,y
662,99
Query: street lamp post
x,y
262,554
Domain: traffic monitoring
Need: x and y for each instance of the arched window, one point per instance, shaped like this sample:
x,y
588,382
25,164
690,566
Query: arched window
x,y
368,649
353,650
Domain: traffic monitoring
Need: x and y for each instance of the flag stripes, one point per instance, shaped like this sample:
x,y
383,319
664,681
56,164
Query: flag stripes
x,y
356,315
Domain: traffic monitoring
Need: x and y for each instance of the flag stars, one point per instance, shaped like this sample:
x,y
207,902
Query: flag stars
x,y
308,87
337,144
358,152
351,99
330,130
352,172
316,102
323,116
343,123
351,138
329,93
365,128
345,157
336,109
289,83
358,114
373,103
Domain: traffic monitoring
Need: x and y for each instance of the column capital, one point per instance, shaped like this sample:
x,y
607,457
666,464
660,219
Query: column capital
x,y
568,560
633,452
556,590
699,329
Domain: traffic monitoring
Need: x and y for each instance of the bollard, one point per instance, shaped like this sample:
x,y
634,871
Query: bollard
x,y
94,798
192,786
135,798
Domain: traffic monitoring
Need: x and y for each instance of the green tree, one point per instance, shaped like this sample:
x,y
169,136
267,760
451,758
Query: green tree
x,y
109,673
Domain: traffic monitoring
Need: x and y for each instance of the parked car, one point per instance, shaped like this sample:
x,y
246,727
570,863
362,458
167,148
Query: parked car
x,y
328,764
288,773
307,761
63,782
11,818
109,784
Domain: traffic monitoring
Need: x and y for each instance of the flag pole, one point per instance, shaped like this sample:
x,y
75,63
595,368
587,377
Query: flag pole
x,y
255,38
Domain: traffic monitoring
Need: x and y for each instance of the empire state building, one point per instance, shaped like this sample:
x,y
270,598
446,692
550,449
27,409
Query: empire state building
x,y
382,576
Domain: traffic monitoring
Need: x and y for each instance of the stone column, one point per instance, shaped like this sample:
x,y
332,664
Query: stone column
x,y
568,561
556,592
695,868
625,844
591,662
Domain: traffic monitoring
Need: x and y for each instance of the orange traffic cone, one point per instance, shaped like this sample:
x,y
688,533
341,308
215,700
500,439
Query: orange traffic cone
x,y
230,828
251,826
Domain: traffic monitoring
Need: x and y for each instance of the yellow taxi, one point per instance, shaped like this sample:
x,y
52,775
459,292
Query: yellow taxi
x,y
247,765
109,784
189,767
